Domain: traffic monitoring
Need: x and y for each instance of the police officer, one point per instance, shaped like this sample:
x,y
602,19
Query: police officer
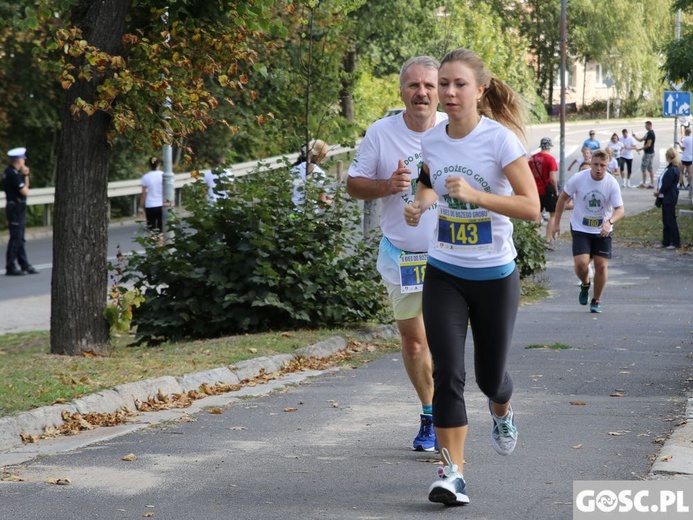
x,y
15,182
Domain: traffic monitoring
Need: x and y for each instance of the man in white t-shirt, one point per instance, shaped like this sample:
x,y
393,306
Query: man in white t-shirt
x,y
386,166
598,205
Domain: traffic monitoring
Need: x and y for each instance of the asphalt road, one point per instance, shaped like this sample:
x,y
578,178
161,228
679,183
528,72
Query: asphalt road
x,y
597,410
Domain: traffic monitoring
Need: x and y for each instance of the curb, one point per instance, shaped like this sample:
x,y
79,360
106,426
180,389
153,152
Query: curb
x,y
676,455
13,451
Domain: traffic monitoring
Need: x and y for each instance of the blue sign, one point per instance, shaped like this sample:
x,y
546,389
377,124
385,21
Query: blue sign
x,y
676,104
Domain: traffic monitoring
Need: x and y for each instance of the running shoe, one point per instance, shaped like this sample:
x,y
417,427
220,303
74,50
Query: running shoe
x,y
584,294
504,432
426,439
451,489
595,306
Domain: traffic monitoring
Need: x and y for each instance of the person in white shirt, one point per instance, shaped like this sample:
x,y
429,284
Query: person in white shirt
x,y
598,205
476,171
386,166
686,145
310,169
213,177
627,156
152,198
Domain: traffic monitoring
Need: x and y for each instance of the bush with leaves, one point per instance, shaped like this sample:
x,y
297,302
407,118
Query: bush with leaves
x,y
253,262
531,250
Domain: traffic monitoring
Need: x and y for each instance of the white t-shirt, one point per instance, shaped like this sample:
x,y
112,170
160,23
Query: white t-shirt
x,y
687,145
478,238
613,166
154,182
299,181
625,152
616,147
210,180
594,201
385,143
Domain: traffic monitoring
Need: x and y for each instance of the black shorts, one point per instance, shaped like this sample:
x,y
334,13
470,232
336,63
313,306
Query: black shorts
x,y
154,218
686,163
591,244
548,203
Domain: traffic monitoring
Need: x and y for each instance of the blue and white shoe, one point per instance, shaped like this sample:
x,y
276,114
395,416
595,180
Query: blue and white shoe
x,y
426,439
584,295
451,489
504,432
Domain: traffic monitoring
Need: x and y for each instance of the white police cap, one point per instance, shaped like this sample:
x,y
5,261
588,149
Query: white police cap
x,y
17,153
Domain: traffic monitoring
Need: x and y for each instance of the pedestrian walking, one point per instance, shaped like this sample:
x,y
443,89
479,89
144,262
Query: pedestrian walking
x,y
475,170
648,149
152,198
686,145
597,207
627,156
15,183
666,197
386,166
545,171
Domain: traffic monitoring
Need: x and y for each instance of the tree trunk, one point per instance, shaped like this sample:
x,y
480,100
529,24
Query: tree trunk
x,y
80,231
346,93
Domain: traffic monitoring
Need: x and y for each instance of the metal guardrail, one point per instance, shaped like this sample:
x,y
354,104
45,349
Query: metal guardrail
x,y
132,188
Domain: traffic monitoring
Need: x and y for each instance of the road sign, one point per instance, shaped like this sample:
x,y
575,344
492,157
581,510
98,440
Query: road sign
x,y
676,104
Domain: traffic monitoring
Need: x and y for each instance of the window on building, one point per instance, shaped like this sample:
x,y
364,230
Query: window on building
x,y
569,78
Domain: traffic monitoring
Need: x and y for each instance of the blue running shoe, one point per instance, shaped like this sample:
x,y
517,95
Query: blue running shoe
x,y
584,294
595,306
451,489
426,439
504,432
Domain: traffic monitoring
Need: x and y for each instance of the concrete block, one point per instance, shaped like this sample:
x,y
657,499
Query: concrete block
x,y
34,421
252,367
143,390
323,348
193,381
9,434
106,401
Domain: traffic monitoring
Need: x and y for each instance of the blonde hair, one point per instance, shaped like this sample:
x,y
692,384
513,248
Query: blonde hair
x,y
672,156
317,150
498,101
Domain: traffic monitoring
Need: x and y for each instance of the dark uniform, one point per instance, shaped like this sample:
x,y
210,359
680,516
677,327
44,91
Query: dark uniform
x,y
12,182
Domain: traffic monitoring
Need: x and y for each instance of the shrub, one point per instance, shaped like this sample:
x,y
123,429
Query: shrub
x,y
253,262
531,251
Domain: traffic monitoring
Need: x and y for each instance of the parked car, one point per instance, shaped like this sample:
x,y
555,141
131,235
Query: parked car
x,y
393,111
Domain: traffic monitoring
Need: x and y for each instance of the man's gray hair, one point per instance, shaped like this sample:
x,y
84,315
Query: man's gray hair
x,y
426,61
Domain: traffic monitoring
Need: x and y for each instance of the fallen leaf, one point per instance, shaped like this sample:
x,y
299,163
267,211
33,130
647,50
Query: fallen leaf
x,y
289,409
578,403
237,428
667,458
59,481
617,394
12,478
148,515
216,411
619,433
130,457
577,447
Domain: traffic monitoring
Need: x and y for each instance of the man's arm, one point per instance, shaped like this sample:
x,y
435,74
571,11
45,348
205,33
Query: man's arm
x,y
371,189
553,179
560,207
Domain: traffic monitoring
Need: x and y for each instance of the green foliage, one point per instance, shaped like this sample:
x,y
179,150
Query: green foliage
x,y
121,301
531,251
253,262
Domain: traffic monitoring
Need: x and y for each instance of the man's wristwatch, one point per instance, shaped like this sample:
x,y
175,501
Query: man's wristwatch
x,y
611,222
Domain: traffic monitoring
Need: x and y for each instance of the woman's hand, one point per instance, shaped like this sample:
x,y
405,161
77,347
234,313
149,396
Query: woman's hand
x,y
412,213
459,189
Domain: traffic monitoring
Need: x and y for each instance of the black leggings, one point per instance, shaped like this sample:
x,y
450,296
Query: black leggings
x,y
623,163
490,307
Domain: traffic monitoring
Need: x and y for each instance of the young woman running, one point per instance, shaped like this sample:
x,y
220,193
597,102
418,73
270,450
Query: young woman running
x,y
475,168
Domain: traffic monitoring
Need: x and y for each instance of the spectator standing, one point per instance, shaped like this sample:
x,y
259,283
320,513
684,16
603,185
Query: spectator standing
x,y
152,198
686,145
597,207
15,183
308,172
591,142
648,150
475,169
212,177
616,146
627,157
386,166
545,171
667,196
